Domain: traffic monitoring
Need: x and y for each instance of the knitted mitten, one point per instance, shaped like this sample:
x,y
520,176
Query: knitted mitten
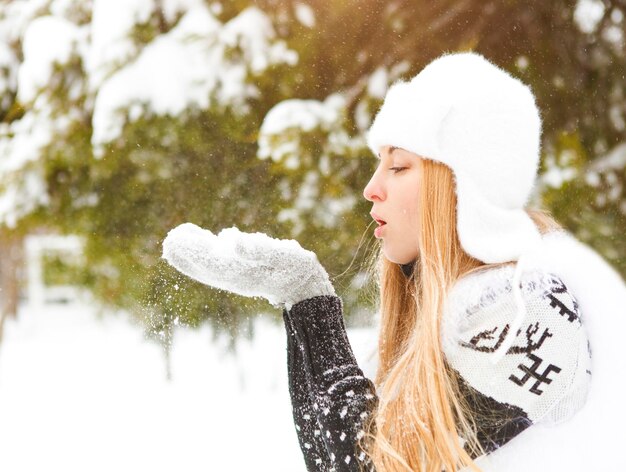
x,y
249,264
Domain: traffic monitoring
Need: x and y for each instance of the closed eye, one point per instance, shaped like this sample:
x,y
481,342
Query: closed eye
x,y
397,169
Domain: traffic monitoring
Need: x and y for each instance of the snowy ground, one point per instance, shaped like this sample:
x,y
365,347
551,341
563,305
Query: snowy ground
x,y
78,393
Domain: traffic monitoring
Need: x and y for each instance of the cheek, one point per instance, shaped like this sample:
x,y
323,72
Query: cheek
x,y
410,205
410,210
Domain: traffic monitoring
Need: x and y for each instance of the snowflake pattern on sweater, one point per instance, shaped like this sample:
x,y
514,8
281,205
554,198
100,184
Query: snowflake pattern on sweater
x,y
546,371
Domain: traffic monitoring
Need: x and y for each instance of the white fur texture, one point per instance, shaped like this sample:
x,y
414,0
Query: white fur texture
x,y
593,438
465,112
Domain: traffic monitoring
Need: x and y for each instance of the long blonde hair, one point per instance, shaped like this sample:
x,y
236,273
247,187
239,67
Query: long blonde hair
x,y
421,414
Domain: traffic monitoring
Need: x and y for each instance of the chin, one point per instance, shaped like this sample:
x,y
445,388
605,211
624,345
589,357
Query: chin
x,y
399,258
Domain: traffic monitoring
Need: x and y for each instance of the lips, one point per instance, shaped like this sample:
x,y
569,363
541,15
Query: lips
x,y
381,224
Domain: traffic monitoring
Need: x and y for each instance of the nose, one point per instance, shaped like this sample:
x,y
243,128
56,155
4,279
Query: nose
x,y
374,190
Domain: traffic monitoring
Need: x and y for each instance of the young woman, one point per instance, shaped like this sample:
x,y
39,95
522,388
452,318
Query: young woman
x,y
483,350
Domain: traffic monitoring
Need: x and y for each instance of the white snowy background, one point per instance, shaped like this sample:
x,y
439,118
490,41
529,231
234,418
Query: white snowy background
x,y
85,390
82,391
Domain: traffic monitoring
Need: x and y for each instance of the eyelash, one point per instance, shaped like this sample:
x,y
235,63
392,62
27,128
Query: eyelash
x,y
397,169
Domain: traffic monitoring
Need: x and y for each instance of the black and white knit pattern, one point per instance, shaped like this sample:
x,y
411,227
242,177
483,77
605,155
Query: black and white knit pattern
x,y
546,371
544,376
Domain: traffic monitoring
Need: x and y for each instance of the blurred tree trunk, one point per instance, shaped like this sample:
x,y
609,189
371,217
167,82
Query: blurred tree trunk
x,y
11,257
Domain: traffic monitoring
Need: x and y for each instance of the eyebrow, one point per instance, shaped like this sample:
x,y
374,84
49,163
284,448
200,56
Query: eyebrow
x,y
391,150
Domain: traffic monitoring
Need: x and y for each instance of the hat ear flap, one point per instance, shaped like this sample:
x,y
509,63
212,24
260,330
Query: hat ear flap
x,y
487,231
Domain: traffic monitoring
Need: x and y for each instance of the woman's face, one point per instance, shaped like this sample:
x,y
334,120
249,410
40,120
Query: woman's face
x,y
393,190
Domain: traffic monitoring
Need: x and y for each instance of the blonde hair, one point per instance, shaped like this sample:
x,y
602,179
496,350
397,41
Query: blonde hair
x,y
421,413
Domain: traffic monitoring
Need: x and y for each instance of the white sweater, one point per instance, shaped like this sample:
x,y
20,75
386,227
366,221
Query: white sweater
x,y
546,371
573,300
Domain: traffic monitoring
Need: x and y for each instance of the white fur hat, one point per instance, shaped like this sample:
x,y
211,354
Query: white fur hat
x,y
465,112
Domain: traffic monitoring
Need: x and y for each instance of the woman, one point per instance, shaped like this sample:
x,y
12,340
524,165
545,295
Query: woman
x,y
483,347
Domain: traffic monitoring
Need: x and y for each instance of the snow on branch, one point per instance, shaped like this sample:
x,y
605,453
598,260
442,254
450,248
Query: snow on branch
x,y
198,64
64,61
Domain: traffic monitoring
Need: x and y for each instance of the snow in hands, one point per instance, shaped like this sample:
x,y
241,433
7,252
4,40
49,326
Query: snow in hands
x,y
248,264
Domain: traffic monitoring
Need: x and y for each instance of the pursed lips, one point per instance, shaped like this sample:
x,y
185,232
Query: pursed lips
x,y
381,224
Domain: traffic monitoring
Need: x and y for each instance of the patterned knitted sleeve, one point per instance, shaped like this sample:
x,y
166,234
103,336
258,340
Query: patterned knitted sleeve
x,y
544,375
331,398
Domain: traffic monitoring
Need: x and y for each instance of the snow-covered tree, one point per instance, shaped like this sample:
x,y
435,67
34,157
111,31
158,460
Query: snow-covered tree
x,y
122,118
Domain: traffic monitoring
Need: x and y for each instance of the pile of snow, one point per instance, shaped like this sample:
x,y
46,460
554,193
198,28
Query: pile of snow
x,y
305,14
588,14
83,392
111,45
279,136
41,54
